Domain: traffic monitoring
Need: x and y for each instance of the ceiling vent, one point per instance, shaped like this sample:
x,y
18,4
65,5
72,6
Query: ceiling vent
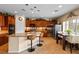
x,y
35,7
55,10
26,4
38,10
23,9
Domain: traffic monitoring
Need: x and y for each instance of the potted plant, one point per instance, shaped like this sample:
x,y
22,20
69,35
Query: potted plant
x,y
68,31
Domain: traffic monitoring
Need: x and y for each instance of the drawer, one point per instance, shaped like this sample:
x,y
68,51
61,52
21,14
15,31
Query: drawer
x,y
3,40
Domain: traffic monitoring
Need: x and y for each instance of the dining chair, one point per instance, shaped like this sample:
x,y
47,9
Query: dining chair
x,y
58,38
73,40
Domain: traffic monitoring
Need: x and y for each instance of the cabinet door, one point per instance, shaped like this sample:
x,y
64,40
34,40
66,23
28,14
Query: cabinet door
x,y
11,20
1,20
3,39
6,20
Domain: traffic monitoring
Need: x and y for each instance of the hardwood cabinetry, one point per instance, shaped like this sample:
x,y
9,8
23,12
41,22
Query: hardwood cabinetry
x,y
11,24
2,20
3,39
41,25
11,20
6,20
40,22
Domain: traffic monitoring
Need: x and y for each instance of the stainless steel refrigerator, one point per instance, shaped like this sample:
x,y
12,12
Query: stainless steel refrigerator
x,y
57,28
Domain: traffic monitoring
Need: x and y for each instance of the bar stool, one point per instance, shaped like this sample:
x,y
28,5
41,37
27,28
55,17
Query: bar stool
x,y
39,35
31,49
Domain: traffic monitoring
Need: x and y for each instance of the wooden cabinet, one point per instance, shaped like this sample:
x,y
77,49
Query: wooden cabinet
x,y
11,20
3,39
40,23
6,21
11,24
2,20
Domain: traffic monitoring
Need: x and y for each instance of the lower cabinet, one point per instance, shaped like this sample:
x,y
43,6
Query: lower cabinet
x,y
3,40
19,44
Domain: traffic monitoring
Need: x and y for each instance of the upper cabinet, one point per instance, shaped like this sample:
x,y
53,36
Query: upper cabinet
x,y
11,20
2,23
5,20
40,23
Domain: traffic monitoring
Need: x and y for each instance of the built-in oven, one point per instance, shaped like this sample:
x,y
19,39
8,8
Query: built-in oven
x,y
11,29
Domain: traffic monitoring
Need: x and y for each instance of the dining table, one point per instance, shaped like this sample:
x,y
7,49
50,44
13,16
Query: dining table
x,y
63,36
72,39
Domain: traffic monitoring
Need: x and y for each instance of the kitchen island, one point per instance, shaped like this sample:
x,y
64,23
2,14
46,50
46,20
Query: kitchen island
x,y
19,42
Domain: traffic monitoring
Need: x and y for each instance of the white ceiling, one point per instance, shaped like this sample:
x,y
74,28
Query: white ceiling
x,y
46,10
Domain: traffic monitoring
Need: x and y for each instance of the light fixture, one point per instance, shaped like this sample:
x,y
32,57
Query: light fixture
x,y
15,12
23,9
60,6
26,4
35,7
38,10
32,12
53,12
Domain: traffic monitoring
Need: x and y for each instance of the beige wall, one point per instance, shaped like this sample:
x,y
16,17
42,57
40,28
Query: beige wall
x,y
67,16
63,18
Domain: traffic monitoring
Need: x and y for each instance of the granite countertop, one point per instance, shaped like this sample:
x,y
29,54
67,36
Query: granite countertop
x,y
3,32
18,35
25,34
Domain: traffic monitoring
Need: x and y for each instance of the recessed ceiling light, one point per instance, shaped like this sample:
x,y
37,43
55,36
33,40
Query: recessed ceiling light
x,y
35,7
15,12
26,4
32,12
38,10
60,6
53,12
23,9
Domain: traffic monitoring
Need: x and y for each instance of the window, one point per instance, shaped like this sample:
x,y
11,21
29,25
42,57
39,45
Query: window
x,y
77,26
65,25
71,24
